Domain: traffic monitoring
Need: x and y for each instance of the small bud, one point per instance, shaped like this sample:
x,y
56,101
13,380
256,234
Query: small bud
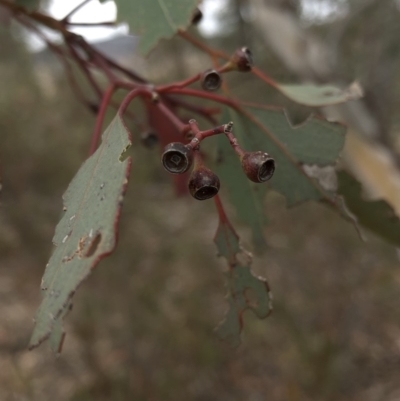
x,y
210,80
197,16
203,183
149,139
242,59
258,166
177,158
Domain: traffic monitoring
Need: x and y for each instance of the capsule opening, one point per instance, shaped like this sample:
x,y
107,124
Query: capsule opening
x,y
206,192
266,170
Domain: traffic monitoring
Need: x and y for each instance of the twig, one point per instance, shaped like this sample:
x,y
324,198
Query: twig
x,y
85,70
180,126
74,10
202,46
100,118
91,24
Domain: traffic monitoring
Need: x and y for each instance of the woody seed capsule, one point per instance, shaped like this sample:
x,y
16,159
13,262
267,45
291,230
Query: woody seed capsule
x,y
177,158
203,183
210,80
258,166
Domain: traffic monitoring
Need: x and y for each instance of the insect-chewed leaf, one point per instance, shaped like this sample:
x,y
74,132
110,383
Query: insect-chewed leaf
x,y
245,291
153,20
320,95
377,216
227,241
86,233
316,142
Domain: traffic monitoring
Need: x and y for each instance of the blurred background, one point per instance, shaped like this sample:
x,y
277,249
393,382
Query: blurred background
x,y
142,325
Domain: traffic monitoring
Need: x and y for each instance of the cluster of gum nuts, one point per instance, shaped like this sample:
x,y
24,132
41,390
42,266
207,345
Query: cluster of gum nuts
x,y
178,157
204,183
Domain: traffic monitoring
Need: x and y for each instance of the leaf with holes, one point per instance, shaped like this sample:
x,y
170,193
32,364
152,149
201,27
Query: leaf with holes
x,y
245,291
316,142
155,19
377,216
320,95
86,233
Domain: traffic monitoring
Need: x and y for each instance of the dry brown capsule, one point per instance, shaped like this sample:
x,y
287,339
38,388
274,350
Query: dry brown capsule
x,y
258,166
149,139
203,183
210,80
177,158
242,59
197,16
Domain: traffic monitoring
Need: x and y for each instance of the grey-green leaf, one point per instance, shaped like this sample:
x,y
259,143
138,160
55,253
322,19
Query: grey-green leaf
x,y
377,216
153,20
320,95
317,141
227,241
86,233
245,290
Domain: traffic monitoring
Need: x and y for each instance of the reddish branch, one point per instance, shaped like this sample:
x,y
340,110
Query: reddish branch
x,y
100,118
88,58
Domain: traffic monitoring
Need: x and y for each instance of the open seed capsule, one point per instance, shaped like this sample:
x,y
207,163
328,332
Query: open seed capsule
x,y
177,158
203,183
197,16
258,166
211,80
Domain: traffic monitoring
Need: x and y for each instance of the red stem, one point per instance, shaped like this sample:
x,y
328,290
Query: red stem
x,y
201,135
187,82
178,85
234,143
74,10
141,91
85,69
91,24
200,45
206,95
181,127
206,112
219,54
264,77
100,118
221,212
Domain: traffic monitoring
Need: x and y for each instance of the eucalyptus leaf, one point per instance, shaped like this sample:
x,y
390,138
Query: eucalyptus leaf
x,y
316,142
87,231
153,20
378,216
245,290
320,95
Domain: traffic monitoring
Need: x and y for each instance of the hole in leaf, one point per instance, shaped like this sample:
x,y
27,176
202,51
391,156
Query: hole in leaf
x,y
93,246
125,154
